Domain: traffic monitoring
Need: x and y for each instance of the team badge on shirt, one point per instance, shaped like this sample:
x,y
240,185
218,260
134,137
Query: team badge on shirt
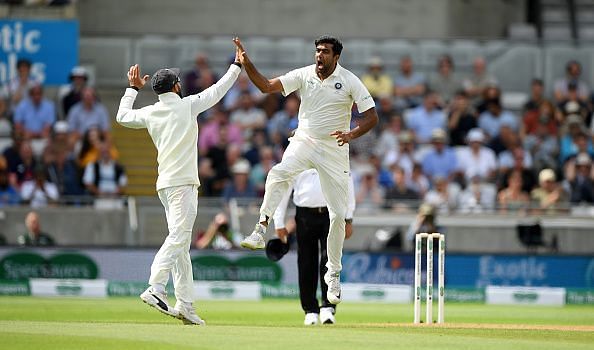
x,y
338,86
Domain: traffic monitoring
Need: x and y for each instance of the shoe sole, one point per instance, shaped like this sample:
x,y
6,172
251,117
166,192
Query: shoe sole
x,y
332,299
328,322
187,322
154,306
251,246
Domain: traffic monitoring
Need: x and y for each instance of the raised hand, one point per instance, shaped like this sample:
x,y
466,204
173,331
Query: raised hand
x,y
134,78
239,51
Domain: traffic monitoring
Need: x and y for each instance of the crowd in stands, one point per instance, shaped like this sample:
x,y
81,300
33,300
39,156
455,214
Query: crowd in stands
x,y
444,139
59,151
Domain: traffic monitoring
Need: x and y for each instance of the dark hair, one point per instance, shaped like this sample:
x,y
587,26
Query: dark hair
x,y
23,62
336,44
571,63
537,81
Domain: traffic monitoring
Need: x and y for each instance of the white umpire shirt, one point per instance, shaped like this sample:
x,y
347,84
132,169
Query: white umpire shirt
x,y
326,104
172,125
307,192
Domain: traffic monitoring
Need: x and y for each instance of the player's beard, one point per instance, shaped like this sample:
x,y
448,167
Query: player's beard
x,y
179,93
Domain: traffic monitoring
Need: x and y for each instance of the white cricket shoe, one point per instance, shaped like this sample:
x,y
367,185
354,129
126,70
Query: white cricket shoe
x,y
310,319
256,239
332,279
188,315
158,301
327,315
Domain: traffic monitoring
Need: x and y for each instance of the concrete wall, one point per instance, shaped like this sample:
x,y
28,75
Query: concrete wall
x,y
304,18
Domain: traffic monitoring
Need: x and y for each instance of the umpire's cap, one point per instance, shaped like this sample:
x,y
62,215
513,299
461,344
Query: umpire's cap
x,y
276,249
164,79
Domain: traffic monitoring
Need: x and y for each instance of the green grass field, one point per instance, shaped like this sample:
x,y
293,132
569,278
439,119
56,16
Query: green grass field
x,y
127,323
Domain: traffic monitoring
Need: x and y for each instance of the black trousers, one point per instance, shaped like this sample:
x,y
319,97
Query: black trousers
x,y
312,232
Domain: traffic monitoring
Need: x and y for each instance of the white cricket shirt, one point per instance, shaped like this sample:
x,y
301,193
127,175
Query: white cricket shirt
x,y
326,105
172,125
307,192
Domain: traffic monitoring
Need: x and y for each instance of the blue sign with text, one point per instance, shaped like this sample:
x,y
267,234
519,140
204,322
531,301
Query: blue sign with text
x,y
474,270
51,45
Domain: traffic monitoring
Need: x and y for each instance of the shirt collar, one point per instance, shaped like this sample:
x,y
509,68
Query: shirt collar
x,y
169,97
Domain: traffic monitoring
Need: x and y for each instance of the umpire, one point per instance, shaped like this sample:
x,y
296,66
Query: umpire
x,y
311,226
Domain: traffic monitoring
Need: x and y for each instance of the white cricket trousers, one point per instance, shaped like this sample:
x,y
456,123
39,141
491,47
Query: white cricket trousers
x,y
332,163
181,208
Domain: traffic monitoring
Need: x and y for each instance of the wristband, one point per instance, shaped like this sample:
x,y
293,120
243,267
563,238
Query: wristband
x,y
238,64
133,87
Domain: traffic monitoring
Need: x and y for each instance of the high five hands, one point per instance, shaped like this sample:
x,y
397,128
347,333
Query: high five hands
x,y
134,78
239,51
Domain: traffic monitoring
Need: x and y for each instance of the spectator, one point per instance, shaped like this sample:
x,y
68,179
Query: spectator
x,y
12,152
400,197
476,159
62,169
219,235
240,186
440,161
88,113
578,180
549,197
513,197
22,169
89,150
477,197
200,77
8,193
260,170
417,181
71,94
384,177
536,96
18,88
285,121
247,116
34,235
105,177
491,93
211,131
545,114
521,165
403,156
425,118
443,196
479,80
385,110
425,221
5,119
573,72
574,105
232,99
39,192
409,86
461,119
35,115
543,147
575,141
388,139
369,196
376,80
206,175
495,116
445,83
257,142
515,156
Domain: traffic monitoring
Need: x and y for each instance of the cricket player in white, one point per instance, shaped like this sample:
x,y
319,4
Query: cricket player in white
x,y
172,125
328,92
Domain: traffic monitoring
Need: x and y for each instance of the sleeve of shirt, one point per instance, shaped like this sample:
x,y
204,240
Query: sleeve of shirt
x,y
52,191
351,204
89,175
209,97
51,113
361,95
292,81
18,113
128,117
280,213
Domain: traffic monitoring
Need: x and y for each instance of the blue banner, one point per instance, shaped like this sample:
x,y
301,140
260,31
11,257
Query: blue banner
x,y
474,270
51,45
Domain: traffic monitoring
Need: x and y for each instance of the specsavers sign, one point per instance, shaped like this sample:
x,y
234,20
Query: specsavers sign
x,y
25,264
